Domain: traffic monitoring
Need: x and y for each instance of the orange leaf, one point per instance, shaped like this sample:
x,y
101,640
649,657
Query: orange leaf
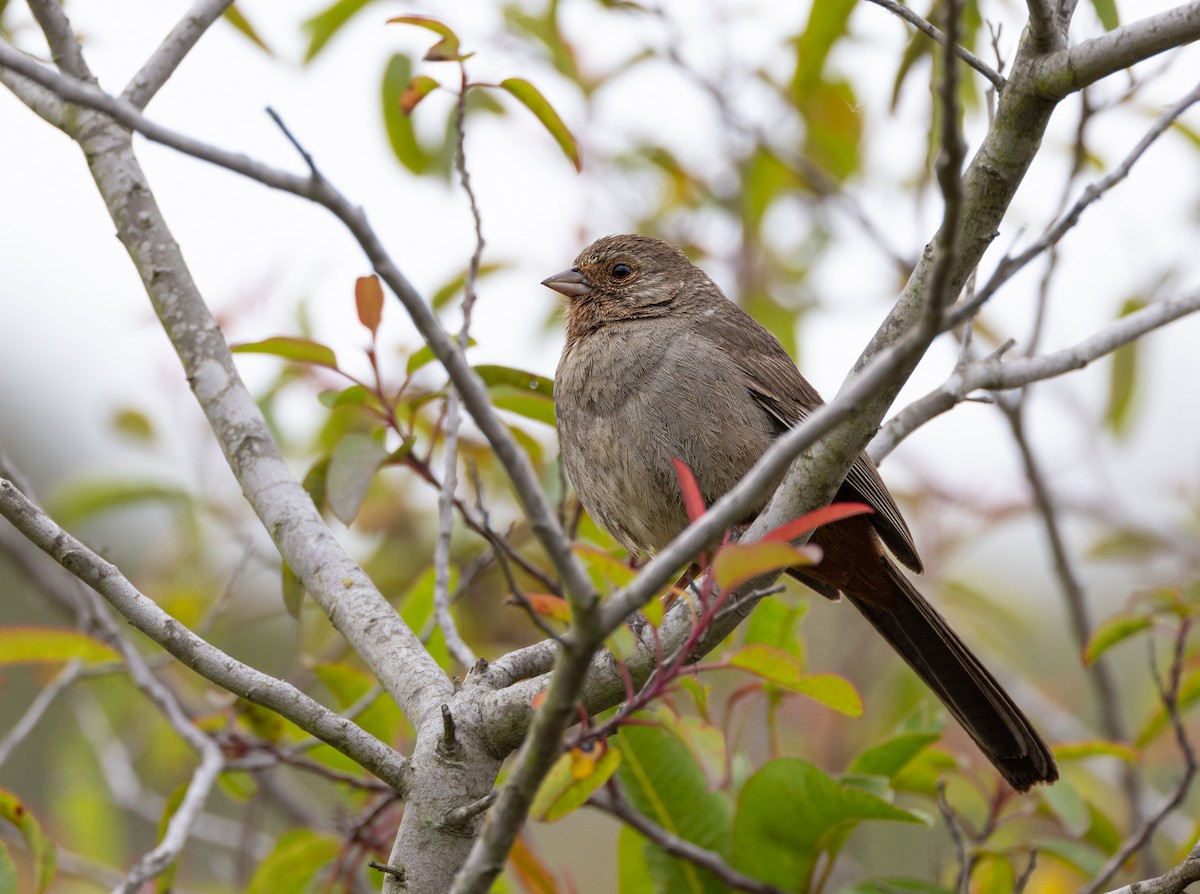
x,y
692,500
550,606
534,875
815,519
418,88
368,297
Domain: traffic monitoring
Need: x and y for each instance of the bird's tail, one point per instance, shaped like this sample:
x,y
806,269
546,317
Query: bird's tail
x,y
965,686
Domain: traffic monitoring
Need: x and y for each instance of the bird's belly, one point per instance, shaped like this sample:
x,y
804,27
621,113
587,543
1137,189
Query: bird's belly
x,y
618,442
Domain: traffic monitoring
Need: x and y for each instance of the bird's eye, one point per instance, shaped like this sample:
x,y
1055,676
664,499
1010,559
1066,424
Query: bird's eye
x,y
622,271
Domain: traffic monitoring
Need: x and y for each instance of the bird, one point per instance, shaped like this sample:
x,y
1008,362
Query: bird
x,y
658,365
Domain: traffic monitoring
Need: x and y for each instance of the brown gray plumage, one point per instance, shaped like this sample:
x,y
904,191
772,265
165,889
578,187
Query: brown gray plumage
x,y
658,364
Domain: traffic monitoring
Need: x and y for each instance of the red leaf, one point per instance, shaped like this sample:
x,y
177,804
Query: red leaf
x,y
813,520
692,500
368,297
549,606
418,88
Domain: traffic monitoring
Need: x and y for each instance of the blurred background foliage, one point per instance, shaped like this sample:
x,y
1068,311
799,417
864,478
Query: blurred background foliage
x,y
776,196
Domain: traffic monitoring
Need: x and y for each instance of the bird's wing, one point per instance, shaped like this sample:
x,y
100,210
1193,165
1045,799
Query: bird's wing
x,y
787,397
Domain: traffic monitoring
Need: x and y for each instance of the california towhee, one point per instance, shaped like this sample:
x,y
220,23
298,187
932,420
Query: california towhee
x,y
658,364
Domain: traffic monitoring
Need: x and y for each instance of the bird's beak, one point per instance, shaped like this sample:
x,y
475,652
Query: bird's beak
x,y
570,283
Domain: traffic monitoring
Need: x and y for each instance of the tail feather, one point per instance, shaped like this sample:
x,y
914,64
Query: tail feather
x,y
968,690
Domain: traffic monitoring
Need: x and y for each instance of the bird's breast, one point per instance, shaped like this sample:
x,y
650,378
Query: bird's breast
x,y
631,400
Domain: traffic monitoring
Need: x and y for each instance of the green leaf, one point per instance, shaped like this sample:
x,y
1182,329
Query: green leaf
x,y
607,572
1112,631
448,290
300,855
164,883
445,50
316,481
890,757
1189,694
234,16
352,467
633,872
775,623
353,396
1073,751
1122,371
8,871
81,500
41,848
527,382
38,645
789,812
381,718
664,783
1106,12
533,100
827,24
292,590
786,672
737,563
570,782
324,25
1064,801
1083,858
895,886
298,350
399,126
539,409
133,424
833,127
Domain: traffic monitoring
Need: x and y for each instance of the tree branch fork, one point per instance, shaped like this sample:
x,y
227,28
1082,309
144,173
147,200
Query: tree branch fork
x,y
492,712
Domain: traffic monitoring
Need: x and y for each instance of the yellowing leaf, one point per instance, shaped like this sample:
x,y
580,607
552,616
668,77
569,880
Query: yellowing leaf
x,y
41,848
1112,631
1069,751
533,100
418,88
446,49
739,562
35,645
786,672
549,606
573,779
300,350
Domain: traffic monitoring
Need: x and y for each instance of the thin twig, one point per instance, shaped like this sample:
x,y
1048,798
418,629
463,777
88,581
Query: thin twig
x,y
922,25
163,62
1169,694
1009,266
29,720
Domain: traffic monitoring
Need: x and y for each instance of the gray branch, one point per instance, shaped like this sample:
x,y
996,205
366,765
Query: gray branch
x,y
1062,73
162,64
207,660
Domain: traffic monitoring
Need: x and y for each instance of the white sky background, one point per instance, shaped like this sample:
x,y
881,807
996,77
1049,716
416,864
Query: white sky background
x,y
82,340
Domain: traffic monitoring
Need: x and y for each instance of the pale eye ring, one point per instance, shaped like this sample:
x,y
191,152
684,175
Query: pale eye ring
x,y
622,271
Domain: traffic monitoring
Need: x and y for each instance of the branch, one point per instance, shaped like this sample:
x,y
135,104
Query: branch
x,y
613,804
1009,266
1169,694
194,652
995,374
336,582
1062,73
542,519
162,64
23,727
1174,882
925,27
168,850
